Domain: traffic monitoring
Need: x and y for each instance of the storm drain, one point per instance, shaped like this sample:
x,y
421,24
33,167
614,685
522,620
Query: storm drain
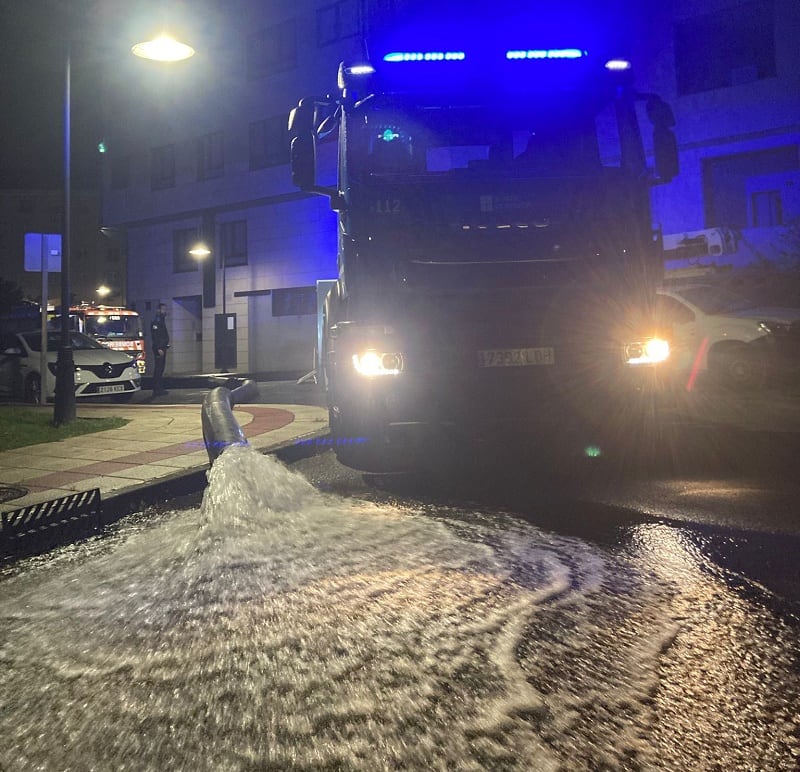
x,y
47,524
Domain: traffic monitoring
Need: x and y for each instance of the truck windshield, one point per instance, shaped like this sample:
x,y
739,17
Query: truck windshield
x,y
117,326
393,140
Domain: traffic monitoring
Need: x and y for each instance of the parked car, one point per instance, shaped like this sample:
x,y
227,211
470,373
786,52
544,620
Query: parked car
x,y
720,332
99,371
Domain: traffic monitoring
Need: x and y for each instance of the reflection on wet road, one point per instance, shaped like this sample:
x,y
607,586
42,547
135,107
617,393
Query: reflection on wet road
x,y
277,627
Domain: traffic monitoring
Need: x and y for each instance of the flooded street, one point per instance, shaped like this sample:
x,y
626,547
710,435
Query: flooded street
x,y
280,627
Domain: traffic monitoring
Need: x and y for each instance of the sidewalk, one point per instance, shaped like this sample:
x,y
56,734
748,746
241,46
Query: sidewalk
x,y
159,446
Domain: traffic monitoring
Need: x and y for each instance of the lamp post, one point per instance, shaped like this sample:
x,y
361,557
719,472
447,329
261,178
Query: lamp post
x,y
163,49
200,251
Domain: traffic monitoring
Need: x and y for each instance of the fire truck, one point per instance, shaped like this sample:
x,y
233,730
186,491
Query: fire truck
x,y
116,327
497,263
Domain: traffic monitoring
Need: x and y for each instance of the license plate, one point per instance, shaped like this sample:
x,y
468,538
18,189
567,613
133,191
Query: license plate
x,y
516,357
112,388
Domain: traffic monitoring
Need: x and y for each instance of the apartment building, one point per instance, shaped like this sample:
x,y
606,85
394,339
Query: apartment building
x,y
731,71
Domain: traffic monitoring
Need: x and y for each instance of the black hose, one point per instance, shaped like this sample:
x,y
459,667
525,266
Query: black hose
x,y
220,429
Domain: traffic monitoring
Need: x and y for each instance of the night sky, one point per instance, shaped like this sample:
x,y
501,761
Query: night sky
x,y
31,92
33,44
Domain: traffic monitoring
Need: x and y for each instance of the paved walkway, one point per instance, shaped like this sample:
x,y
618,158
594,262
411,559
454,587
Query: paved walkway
x,y
158,443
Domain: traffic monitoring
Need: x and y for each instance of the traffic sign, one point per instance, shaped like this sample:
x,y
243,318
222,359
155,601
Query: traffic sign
x,y
43,252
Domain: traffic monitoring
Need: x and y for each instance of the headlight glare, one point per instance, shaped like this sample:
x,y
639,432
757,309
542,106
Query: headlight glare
x,y
651,351
372,363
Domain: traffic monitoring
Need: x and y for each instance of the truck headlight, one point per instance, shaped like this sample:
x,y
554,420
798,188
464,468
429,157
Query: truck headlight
x,y
647,352
372,363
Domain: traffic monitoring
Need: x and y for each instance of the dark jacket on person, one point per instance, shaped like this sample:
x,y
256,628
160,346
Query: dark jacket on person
x,y
159,334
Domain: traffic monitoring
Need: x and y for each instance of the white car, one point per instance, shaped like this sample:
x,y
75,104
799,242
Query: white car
x,y
99,371
717,331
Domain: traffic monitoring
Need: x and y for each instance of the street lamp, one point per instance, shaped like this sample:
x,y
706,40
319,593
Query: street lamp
x,y
163,49
200,251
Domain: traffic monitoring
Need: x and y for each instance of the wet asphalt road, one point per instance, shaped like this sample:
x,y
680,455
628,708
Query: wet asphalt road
x,y
510,611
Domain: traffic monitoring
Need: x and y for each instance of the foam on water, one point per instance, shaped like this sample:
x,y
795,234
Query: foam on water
x,y
280,627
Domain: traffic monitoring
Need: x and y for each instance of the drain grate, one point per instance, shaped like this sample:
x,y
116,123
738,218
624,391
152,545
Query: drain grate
x,y
50,523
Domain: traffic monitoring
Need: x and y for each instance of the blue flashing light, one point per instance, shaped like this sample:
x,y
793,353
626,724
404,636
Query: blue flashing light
x,y
425,56
618,65
361,69
388,135
546,53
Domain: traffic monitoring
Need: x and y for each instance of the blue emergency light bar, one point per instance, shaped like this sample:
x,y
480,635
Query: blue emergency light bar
x,y
546,53
425,56
459,56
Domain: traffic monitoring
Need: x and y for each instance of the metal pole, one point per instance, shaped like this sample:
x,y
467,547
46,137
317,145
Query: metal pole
x,y
224,349
64,409
45,373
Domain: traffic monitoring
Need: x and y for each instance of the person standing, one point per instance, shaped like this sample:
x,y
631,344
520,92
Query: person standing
x,y
160,340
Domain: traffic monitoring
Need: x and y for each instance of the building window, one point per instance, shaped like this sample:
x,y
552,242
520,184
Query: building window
x,y
182,241
726,179
767,208
269,142
210,161
294,301
120,172
162,167
726,48
272,49
233,243
337,21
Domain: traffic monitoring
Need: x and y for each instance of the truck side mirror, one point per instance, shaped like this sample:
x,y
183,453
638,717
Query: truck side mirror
x,y
303,130
303,152
665,147
303,160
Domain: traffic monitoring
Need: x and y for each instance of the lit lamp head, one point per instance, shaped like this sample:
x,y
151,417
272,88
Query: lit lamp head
x,y
200,251
163,49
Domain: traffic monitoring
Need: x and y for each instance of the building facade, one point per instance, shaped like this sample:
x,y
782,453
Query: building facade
x,y
731,71
198,152
94,260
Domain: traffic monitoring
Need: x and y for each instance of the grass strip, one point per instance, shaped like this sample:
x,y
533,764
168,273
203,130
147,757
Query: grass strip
x,y
23,426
